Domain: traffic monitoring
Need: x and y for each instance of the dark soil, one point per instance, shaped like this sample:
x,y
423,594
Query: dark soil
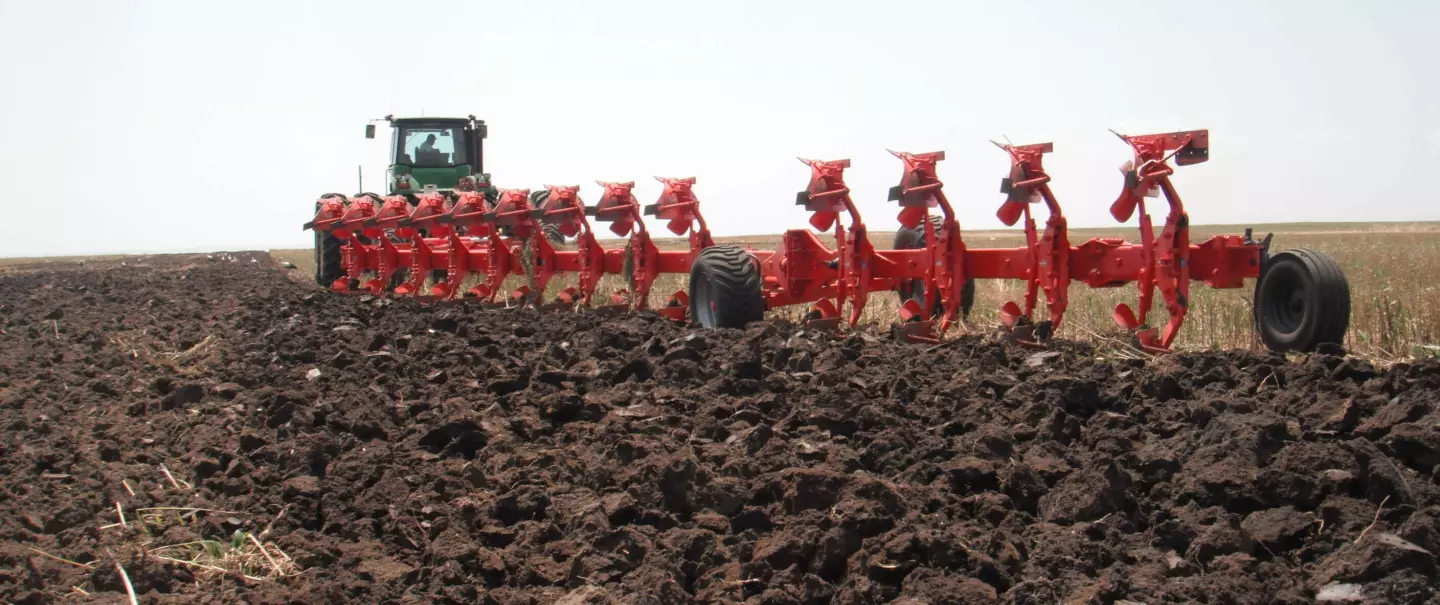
x,y
453,455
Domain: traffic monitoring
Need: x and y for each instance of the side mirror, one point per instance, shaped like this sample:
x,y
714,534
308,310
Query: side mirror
x,y
369,131
484,131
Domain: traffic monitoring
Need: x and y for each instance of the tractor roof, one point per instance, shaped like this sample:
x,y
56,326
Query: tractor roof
x,y
425,121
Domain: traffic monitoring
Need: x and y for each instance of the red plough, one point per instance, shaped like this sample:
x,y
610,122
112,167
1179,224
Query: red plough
x,y
451,238
804,270
1301,297
362,223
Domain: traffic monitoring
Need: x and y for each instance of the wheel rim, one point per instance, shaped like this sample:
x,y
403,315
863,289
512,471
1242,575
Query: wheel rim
x,y
703,307
1286,301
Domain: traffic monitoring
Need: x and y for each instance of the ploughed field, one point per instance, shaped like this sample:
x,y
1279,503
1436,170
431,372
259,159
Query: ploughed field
x,y
208,430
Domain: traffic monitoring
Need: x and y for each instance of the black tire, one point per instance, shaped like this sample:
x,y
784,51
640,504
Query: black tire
x,y
627,269
1302,301
725,288
400,276
538,199
327,258
914,239
552,233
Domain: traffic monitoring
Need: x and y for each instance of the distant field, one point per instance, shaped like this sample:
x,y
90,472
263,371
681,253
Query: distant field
x,y
1393,270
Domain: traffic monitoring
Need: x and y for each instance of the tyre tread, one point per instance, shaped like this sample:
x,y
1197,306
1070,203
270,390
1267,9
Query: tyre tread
x,y
1331,310
737,281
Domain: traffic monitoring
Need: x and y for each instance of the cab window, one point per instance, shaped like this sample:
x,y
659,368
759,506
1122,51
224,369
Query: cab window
x,y
431,147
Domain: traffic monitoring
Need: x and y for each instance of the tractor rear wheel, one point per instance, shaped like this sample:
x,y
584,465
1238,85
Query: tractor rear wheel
x,y
552,233
327,258
1302,300
725,288
627,269
914,239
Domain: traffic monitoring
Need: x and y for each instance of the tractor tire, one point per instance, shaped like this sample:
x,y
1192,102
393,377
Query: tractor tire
x,y
627,269
725,288
1302,300
552,233
538,199
914,239
400,276
327,259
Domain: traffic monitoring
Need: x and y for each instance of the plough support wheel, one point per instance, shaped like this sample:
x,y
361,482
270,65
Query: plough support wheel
x,y
725,288
1302,300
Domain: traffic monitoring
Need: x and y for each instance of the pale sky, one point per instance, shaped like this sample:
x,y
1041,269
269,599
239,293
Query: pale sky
x,y
181,125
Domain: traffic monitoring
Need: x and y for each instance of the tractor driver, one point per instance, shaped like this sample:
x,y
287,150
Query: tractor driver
x,y
429,145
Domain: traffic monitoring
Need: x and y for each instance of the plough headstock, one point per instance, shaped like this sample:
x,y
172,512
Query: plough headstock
x,y
618,207
919,187
1027,172
677,204
563,209
827,194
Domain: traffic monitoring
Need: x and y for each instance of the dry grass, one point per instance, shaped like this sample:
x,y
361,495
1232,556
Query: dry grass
x,y
243,553
137,539
1392,268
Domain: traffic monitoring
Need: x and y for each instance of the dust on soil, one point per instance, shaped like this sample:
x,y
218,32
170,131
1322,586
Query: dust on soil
x,y
449,454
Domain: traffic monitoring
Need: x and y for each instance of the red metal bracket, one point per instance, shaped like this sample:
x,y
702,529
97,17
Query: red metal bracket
x,y
679,206
357,255
1165,260
568,212
619,207
1047,254
563,209
919,190
330,209
430,251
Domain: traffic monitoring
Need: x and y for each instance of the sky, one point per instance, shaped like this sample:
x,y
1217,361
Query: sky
x,y
155,126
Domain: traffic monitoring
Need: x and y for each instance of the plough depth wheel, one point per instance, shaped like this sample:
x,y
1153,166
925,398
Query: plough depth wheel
x,y
725,288
1302,300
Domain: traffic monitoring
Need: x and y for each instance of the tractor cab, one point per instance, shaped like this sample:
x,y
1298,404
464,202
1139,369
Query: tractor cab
x,y
447,153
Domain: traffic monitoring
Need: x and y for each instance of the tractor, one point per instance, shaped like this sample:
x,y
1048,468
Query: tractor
x,y
441,154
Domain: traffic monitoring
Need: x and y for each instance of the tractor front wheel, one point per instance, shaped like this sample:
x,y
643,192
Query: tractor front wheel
x,y
1302,300
725,288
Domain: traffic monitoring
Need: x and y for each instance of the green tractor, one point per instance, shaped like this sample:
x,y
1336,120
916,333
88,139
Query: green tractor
x,y
447,154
